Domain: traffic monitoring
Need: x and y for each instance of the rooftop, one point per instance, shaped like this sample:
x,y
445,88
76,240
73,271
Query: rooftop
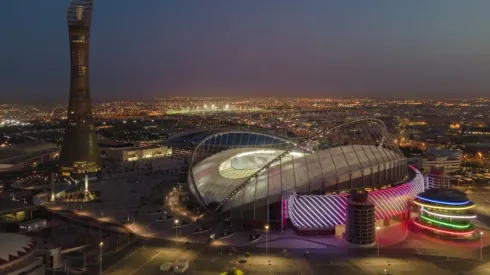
x,y
110,143
14,246
7,206
19,152
444,195
442,152
137,148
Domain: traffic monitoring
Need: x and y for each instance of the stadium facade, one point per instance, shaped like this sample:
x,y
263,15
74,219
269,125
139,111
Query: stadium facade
x,y
258,179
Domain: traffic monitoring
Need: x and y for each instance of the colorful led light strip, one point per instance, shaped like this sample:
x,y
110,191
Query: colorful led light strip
x,y
317,211
444,231
444,207
446,224
449,216
443,202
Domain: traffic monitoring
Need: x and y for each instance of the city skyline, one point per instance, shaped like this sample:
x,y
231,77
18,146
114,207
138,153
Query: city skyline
x,y
244,137
191,48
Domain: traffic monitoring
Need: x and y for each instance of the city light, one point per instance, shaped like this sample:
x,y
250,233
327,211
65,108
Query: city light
x,y
261,144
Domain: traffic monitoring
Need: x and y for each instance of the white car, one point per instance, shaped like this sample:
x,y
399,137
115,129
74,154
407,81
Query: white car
x,y
181,266
166,266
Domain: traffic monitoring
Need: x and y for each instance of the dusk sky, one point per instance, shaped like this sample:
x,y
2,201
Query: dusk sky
x,y
157,48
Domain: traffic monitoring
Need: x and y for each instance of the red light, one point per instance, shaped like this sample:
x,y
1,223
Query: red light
x,y
445,231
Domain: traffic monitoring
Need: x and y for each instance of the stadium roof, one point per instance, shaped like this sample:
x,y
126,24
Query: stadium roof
x,y
218,175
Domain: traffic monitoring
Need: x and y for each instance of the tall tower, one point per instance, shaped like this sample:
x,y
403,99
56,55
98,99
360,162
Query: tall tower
x,y
80,152
361,220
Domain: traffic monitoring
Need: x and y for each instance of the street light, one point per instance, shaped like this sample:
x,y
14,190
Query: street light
x,y
101,245
377,240
481,245
266,240
176,228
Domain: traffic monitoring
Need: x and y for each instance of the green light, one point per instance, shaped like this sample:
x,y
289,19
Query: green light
x,y
446,224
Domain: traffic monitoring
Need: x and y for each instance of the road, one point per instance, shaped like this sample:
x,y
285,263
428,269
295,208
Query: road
x,y
147,258
146,261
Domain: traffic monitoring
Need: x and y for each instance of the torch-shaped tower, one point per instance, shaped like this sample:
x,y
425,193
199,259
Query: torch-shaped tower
x,y
80,152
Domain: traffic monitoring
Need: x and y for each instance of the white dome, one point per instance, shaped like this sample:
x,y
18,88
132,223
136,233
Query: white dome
x,y
14,246
218,175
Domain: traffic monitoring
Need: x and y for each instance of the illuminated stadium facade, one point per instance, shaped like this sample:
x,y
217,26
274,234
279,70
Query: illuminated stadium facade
x,y
258,179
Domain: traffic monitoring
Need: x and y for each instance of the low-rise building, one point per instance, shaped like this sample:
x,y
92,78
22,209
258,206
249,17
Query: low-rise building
x,y
33,225
30,154
437,179
138,153
448,159
15,212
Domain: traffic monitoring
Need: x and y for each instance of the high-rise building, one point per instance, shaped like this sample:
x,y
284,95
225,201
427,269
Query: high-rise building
x,y
80,152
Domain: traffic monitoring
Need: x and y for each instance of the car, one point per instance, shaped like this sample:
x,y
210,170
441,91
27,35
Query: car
x,y
166,266
181,266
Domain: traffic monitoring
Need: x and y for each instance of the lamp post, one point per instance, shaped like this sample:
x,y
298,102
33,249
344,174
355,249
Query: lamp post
x,y
176,222
101,245
266,240
377,241
481,245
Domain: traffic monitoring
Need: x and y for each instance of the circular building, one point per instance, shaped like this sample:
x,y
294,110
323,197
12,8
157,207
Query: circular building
x,y
360,227
18,255
445,212
258,178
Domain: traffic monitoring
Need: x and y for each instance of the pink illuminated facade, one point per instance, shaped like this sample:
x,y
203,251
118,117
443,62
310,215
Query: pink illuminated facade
x,y
327,211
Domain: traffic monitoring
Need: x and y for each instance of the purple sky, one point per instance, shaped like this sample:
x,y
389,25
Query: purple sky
x,y
143,49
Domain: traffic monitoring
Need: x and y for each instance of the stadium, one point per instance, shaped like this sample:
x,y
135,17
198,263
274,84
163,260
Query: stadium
x,y
253,178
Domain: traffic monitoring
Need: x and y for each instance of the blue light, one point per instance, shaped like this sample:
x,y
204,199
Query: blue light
x,y
443,202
